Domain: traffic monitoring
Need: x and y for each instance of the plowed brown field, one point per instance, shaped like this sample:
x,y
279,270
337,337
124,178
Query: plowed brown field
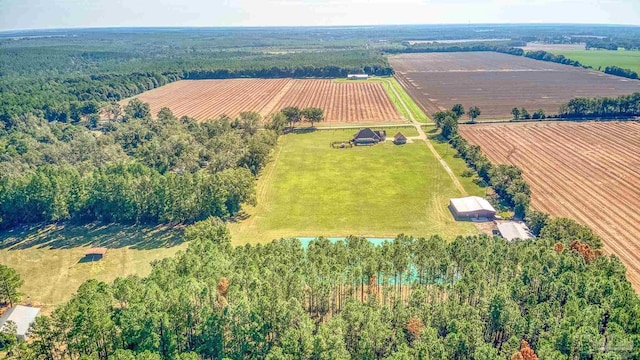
x,y
585,171
498,82
353,102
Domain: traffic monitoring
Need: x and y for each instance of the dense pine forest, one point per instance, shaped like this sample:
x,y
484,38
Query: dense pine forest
x,y
412,298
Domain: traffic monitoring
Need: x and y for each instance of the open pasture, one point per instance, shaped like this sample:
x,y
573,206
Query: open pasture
x,y
50,258
498,82
343,102
585,171
603,58
311,190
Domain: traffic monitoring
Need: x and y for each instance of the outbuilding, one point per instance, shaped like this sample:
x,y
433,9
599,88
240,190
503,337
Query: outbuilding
x,y
513,230
399,139
357,76
472,207
22,317
95,254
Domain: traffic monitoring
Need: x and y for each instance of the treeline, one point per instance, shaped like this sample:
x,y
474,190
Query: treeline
x,y
547,56
622,106
286,72
511,190
629,43
68,99
471,298
506,180
130,168
618,71
122,193
427,48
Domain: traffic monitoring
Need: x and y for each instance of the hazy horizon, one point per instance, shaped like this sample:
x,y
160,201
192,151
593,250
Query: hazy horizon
x,y
27,15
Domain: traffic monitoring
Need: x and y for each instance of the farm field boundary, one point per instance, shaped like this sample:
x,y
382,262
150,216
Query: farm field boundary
x,y
585,171
344,102
497,83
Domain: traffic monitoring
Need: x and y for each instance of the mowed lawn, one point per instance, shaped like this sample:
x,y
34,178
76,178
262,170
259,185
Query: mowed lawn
x,y
603,58
49,258
310,189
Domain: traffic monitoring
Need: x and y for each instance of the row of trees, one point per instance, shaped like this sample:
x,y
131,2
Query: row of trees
x,y
523,114
471,298
294,114
506,48
447,121
618,71
623,106
511,189
547,56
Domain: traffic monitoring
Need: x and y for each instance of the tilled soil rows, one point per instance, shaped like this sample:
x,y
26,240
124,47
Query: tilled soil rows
x,y
585,171
350,102
497,83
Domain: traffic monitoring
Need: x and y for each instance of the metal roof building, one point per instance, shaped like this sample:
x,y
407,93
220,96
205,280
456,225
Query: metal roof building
x,y
357,76
471,207
512,230
22,316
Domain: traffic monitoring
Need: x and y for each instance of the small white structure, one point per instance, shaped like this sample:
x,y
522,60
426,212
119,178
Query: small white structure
x,y
512,230
22,316
357,77
472,207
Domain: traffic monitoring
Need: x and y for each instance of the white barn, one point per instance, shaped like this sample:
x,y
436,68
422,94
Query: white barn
x,y
512,230
357,76
22,316
472,207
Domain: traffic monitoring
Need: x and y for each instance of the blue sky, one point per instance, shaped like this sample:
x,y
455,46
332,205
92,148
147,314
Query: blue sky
x,y
35,14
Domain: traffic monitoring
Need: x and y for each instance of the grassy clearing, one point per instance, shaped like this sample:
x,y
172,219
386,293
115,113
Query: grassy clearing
x,y
48,258
603,58
380,191
398,95
457,165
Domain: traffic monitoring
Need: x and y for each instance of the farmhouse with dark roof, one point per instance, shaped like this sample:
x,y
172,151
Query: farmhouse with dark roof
x,y
367,136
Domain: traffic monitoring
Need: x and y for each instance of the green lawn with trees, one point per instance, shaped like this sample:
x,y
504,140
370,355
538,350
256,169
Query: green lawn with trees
x,y
310,189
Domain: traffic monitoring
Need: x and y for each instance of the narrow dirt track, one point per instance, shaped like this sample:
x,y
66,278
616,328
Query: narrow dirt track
x,y
585,171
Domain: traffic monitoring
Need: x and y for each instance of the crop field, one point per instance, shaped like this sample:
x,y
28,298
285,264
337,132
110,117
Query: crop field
x,y
310,189
603,58
584,171
343,102
498,82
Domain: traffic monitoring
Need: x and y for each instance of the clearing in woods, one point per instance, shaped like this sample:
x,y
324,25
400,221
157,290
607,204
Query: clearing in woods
x,y
584,171
49,258
498,82
344,102
310,189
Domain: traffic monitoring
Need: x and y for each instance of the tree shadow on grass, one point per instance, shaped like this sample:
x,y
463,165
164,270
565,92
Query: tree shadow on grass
x,y
96,234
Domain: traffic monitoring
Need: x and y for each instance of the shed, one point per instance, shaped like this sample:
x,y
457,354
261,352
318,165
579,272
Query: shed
x,y
512,230
471,207
367,136
22,316
95,254
357,76
399,139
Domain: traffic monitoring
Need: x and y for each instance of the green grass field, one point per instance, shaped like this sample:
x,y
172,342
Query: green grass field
x,y
310,189
398,95
49,258
603,58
